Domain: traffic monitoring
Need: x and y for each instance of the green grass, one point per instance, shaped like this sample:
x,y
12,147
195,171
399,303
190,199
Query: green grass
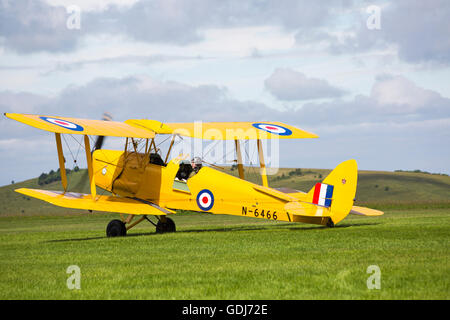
x,y
225,257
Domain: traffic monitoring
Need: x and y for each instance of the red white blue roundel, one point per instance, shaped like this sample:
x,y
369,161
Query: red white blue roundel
x,y
63,123
273,128
205,200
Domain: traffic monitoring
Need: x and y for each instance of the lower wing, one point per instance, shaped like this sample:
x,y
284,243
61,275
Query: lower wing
x,y
102,203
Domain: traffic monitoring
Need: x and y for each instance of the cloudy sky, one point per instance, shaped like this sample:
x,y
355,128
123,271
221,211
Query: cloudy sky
x,y
371,78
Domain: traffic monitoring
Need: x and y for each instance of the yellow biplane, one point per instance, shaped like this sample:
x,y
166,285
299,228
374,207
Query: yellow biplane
x,y
140,182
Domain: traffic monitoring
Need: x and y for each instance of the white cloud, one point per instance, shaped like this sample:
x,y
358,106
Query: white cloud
x,y
392,99
397,90
287,84
417,29
28,26
89,5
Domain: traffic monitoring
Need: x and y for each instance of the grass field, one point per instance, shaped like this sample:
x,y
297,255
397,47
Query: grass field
x,y
226,257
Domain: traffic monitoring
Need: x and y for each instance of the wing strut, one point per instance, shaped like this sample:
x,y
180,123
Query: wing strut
x,y
62,166
87,148
239,159
170,148
262,165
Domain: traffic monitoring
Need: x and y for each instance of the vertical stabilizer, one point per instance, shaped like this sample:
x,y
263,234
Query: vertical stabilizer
x,y
337,191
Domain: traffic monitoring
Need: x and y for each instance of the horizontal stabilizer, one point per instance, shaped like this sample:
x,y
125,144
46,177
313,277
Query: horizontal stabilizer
x,y
308,212
366,211
102,203
307,209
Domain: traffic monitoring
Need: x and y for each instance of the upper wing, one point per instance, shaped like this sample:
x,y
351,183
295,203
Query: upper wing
x,y
225,130
147,128
81,126
102,203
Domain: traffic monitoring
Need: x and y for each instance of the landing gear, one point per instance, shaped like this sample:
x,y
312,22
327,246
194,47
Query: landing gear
x,y
165,226
118,228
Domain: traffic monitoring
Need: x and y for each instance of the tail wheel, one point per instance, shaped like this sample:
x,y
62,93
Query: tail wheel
x,y
167,226
116,228
330,223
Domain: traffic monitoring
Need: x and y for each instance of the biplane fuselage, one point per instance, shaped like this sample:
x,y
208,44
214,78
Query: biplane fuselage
x,y
133,176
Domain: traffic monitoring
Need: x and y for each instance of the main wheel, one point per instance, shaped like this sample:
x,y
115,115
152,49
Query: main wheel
x,y
116,228
167,226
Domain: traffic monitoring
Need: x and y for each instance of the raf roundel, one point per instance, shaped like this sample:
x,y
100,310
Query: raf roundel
x,y
63,123
205,200
273,128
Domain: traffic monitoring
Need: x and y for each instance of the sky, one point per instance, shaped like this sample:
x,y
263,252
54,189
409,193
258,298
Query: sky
x,y
370,78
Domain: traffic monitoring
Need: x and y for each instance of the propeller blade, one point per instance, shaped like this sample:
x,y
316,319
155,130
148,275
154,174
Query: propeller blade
x,y
100,139
98,143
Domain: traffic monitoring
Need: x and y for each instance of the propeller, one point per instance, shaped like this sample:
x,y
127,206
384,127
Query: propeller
x,y
101,139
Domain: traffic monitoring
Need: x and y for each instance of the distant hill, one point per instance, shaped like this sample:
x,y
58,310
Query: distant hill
x,y
13,203
377,189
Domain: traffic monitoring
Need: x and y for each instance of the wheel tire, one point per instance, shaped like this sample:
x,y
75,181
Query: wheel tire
x,y
167,226
116,228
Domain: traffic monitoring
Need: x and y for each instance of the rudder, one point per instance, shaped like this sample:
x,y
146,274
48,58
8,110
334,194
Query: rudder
x,y
337,191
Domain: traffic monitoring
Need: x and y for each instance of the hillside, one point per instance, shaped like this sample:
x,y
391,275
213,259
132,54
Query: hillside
x,y
13,203
377,189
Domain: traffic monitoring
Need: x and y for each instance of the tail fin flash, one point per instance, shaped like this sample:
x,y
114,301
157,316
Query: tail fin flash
x,y
337,191
323,194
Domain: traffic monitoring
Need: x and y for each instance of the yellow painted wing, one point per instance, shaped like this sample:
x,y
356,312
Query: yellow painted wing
x,y
103,203
362,211
226,130
81,126
154,125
